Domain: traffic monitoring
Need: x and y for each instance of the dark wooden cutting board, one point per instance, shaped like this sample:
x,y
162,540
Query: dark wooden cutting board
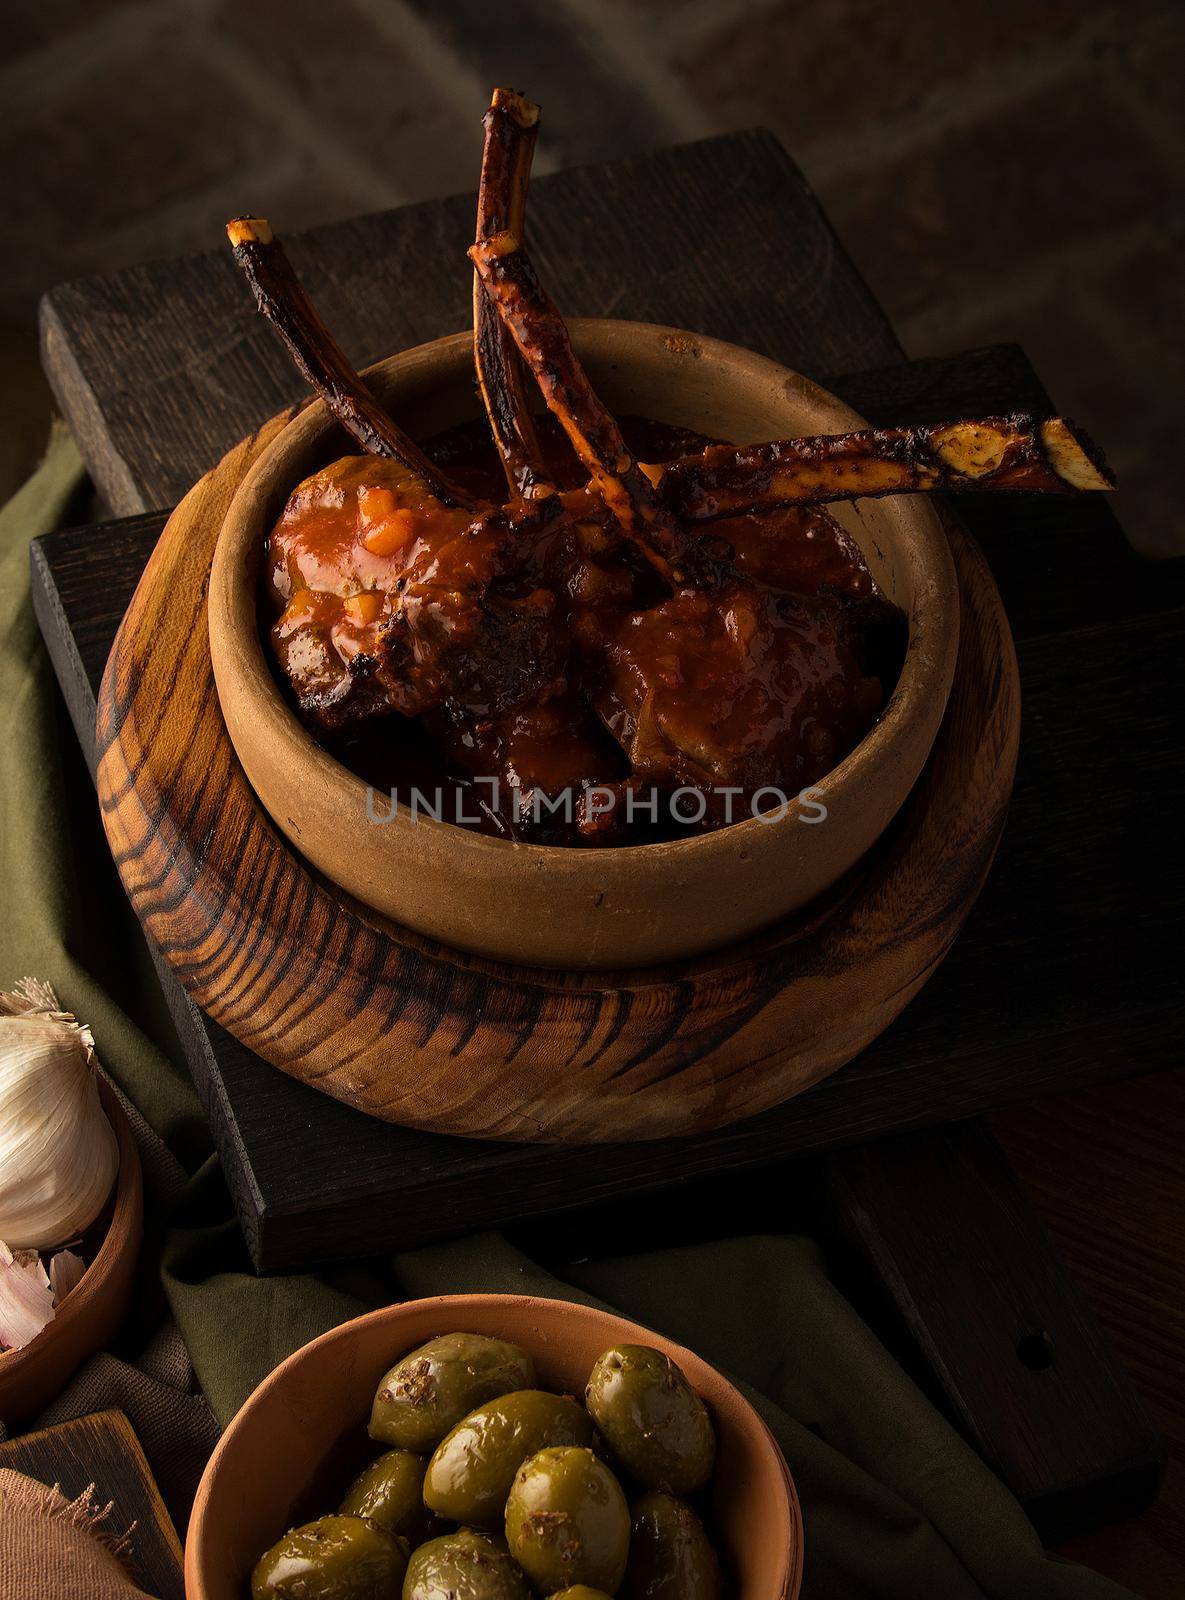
x,y
102,1452
1034,997
162,368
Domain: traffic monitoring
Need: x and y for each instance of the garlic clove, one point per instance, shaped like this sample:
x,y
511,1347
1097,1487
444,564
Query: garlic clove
x,y
26,1299
66,1268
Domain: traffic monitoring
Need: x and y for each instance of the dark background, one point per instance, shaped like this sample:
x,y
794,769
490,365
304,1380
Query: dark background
x,y
1002,170
999,169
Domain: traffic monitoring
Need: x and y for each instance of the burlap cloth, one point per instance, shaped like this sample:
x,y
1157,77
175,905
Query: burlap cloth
x,y
52,1548
896,1505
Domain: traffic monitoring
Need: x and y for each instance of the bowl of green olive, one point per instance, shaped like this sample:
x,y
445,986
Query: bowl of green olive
x,y
495,1447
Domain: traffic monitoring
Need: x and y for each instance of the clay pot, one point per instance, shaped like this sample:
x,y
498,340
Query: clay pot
x,y
604,908
291,1450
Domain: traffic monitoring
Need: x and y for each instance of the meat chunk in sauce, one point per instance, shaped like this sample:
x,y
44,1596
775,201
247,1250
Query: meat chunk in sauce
x,y
391,601
545,654
740,689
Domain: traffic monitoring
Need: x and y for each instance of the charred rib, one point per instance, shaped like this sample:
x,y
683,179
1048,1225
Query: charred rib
x,y
282,300
1018,452
511,128
541,335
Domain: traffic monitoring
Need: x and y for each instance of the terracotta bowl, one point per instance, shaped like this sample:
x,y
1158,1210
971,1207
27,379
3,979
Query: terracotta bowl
x,y
298,1440
550,906
91,1313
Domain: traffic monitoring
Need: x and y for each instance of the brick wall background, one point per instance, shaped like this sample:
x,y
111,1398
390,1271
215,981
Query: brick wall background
x,y
1014,170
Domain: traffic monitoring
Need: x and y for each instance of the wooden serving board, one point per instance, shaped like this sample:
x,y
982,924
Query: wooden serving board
x,y
102,1450
418,1033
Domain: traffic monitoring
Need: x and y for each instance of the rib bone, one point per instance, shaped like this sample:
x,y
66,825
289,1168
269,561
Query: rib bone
x,y
282,300
511,127
542,338
997,453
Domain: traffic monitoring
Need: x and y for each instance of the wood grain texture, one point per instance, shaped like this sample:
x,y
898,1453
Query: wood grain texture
x,y
736,246
102,1450
335,1179
417,1033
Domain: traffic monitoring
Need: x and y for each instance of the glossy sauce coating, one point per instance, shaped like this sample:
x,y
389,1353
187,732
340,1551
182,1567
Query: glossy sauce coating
x,y
390,600
740,689
538,648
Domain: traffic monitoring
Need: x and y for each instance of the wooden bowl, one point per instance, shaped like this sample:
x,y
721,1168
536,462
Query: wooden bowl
x,y
92,1312
605,908
290,1452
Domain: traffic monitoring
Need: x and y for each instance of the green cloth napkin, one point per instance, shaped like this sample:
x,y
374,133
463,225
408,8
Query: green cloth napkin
x,y
896,1506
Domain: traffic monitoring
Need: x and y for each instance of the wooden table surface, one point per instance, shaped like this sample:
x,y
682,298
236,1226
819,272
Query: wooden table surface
x,y
1105,1170
1101,1163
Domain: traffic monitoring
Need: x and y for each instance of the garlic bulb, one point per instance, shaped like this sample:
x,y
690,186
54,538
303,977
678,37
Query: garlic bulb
x,y
58,1155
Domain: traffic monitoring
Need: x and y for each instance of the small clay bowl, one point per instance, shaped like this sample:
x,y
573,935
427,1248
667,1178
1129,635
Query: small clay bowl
x,y
291,1451
91,1313
551,906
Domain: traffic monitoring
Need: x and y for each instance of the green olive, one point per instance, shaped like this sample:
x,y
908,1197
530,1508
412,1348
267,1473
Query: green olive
x,y
390,1493
670,1557
567,1521
470,1475
464,1566
432,1388
335,1558
655,1423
